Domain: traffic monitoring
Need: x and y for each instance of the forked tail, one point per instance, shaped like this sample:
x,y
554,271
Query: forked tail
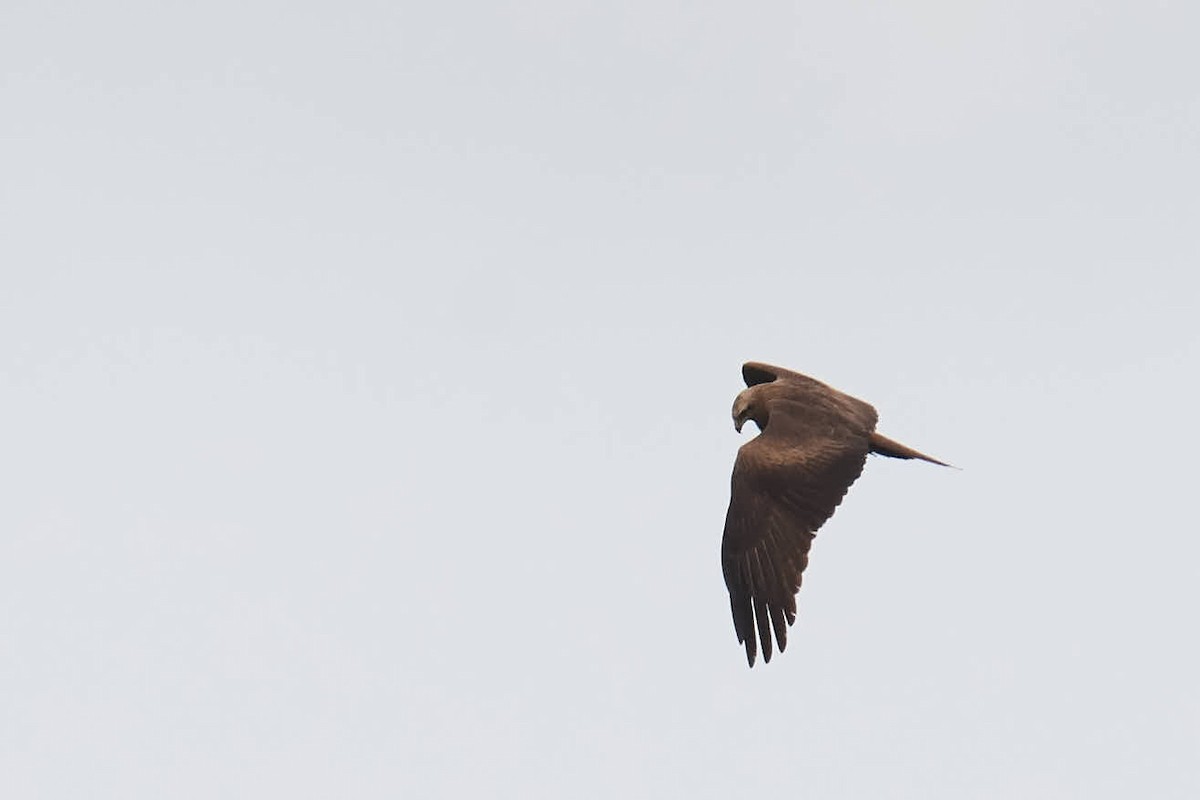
x,y
892,449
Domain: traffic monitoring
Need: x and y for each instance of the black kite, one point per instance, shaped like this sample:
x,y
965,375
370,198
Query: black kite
x,y
787,481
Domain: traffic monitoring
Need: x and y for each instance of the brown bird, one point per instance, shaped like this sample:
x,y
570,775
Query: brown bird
x,y
787,481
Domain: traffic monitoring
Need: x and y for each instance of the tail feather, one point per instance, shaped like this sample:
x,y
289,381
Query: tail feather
x,y
892,449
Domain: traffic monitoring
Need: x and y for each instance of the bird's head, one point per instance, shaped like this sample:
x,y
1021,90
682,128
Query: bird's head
x,y
744,408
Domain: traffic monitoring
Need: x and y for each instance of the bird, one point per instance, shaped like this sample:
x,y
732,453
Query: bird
x,y
787,481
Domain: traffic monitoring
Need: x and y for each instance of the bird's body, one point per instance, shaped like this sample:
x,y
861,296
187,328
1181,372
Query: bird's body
x,y
786,483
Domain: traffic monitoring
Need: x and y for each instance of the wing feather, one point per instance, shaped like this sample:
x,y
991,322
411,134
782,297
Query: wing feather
x,y
786,483
760,603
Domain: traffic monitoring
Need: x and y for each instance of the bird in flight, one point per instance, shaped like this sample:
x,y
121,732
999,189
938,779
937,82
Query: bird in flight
x,y
787,481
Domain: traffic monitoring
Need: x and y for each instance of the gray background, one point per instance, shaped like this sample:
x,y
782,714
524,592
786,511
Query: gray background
x,y
366,371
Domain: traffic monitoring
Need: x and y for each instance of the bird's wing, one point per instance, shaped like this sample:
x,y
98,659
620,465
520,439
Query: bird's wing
x,y
755,372
786,483
811,391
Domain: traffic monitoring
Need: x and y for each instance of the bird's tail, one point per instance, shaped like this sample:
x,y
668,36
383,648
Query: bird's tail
x,y
892,449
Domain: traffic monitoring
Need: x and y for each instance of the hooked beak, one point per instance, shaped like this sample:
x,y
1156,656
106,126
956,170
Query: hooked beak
x,y
737,424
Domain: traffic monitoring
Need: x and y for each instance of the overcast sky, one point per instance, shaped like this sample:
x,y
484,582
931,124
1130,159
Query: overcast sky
x,y
366,370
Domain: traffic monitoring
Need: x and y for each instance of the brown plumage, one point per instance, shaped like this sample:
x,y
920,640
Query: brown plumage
x,y
787,481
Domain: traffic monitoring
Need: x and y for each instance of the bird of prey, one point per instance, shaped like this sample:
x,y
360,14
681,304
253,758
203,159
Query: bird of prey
x,y
787,481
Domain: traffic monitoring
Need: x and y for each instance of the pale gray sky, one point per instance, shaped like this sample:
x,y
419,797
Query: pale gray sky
x,y
366,372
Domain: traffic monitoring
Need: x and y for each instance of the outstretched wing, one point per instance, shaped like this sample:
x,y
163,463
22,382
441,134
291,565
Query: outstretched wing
x,y
811,391
787,482
755,372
